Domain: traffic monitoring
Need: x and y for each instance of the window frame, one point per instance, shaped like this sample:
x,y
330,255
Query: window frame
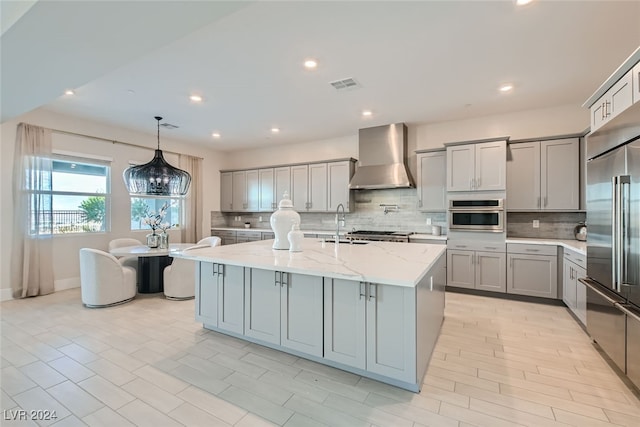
x,y
79,158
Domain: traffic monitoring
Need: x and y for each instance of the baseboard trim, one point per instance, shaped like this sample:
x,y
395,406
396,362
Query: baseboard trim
x,y
64,284
6,294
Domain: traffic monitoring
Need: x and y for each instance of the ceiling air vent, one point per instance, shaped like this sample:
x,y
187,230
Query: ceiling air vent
x,y
345,84
169,126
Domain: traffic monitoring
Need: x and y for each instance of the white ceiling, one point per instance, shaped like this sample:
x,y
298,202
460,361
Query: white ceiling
x,y
417,62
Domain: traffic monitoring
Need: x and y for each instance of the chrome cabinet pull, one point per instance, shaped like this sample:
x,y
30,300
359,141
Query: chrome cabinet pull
x,y
363,291
278,280
532,250
538,203
372,289
285,280
478,183
470,183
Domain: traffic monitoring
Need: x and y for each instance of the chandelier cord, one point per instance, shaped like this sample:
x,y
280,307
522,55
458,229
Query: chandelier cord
x,y
158,119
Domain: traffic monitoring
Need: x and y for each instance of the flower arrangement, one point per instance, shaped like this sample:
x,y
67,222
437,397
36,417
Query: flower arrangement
x,y
154,220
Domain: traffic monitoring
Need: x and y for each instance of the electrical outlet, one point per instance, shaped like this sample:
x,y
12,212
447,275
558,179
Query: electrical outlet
x,y
536,223
428,221
259,219
239,218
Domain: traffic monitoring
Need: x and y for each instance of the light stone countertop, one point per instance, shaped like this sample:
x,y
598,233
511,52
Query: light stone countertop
x,y
574,245
269,230
424,236
388,263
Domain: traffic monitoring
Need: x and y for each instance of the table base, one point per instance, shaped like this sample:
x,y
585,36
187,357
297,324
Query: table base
x,y
151,273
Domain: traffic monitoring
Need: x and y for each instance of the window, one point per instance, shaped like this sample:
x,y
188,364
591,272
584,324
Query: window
x,y
143,207
79,196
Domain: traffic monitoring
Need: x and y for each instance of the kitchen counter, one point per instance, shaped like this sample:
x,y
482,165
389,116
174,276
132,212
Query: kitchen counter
x,y
421,236
574,245
269,230
390,263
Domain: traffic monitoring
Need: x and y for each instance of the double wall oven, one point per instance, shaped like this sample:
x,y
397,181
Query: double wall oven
x,y
476,215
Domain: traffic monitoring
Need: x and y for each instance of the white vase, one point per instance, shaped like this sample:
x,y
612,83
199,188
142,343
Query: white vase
x,y
282,220
295,237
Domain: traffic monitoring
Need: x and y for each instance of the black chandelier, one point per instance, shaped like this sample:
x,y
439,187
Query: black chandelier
x,y
156,178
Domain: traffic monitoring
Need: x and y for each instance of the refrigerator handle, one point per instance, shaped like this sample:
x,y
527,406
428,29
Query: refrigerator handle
x,y
614,232
624,182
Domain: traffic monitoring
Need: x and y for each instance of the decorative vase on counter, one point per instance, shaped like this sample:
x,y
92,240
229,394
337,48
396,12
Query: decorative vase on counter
x,y
164,240
282,220
295,237
153,239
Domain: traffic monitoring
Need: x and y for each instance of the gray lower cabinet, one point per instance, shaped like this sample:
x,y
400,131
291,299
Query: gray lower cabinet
x,y
476,270
231,298
574,293
344,322
284,309
532,270
206,295
371,326
219,297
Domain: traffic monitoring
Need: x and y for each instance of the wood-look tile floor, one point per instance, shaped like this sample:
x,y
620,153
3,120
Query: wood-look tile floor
x,y
148,363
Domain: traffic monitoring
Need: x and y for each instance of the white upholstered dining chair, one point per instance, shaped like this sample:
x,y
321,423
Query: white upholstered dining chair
x,y
103,280
210,241
180,277
128,261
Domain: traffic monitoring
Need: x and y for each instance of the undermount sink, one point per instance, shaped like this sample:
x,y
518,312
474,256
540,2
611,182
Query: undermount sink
x,y
351,242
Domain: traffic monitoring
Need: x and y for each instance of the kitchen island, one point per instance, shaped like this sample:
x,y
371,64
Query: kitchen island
x,y
374,309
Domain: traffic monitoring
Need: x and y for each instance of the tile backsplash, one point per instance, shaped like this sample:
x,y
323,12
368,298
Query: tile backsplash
x,y
369,215
553,225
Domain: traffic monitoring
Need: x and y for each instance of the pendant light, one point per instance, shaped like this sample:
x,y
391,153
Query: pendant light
x,y
156,178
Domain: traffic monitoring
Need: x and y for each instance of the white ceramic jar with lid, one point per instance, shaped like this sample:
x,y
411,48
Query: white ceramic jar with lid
x,y
282,222
295,238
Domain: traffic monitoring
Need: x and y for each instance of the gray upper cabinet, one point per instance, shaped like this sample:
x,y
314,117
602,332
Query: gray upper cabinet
x,y
432,181
226,191
617,99
338,176
543,175
312,187
477,167
267,189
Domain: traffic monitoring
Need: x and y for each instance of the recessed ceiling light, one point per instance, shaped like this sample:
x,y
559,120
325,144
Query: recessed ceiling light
x,y
507,87
215,135
367,113
275,130
69,92
310,64
523,2
196,98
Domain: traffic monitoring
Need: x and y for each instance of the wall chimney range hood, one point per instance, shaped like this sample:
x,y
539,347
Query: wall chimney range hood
x,y
383,158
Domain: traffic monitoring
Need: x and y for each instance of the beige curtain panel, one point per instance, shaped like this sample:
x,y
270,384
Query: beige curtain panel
x,y
32,253
191,228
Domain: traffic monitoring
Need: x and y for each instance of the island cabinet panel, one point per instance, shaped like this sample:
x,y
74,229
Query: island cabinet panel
x,y
301,312
231,298
344,322
262,306
371,326
391,340
206,300
284,309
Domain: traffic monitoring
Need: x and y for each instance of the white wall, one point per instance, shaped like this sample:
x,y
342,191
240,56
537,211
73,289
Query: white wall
x,y
562,120
66,264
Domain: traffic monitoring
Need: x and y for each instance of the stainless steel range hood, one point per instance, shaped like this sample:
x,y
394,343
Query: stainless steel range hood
x,y
383,158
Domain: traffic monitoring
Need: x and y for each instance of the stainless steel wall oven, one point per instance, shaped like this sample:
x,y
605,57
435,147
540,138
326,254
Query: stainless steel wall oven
x,y
476,215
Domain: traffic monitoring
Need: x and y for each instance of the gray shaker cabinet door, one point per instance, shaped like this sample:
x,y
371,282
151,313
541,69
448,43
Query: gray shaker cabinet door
x,y
231,299
262,306
301,313
344,322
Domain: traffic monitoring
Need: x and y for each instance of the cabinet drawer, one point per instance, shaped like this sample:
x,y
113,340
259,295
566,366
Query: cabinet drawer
x,y
223,233
578,259
524,248
251,235
476,246
267,235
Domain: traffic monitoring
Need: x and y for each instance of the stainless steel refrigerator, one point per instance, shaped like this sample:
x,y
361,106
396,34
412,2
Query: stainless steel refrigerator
x,y
613,240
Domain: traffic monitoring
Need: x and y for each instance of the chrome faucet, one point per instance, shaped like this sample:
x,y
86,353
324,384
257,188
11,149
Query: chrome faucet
x,y
339,221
